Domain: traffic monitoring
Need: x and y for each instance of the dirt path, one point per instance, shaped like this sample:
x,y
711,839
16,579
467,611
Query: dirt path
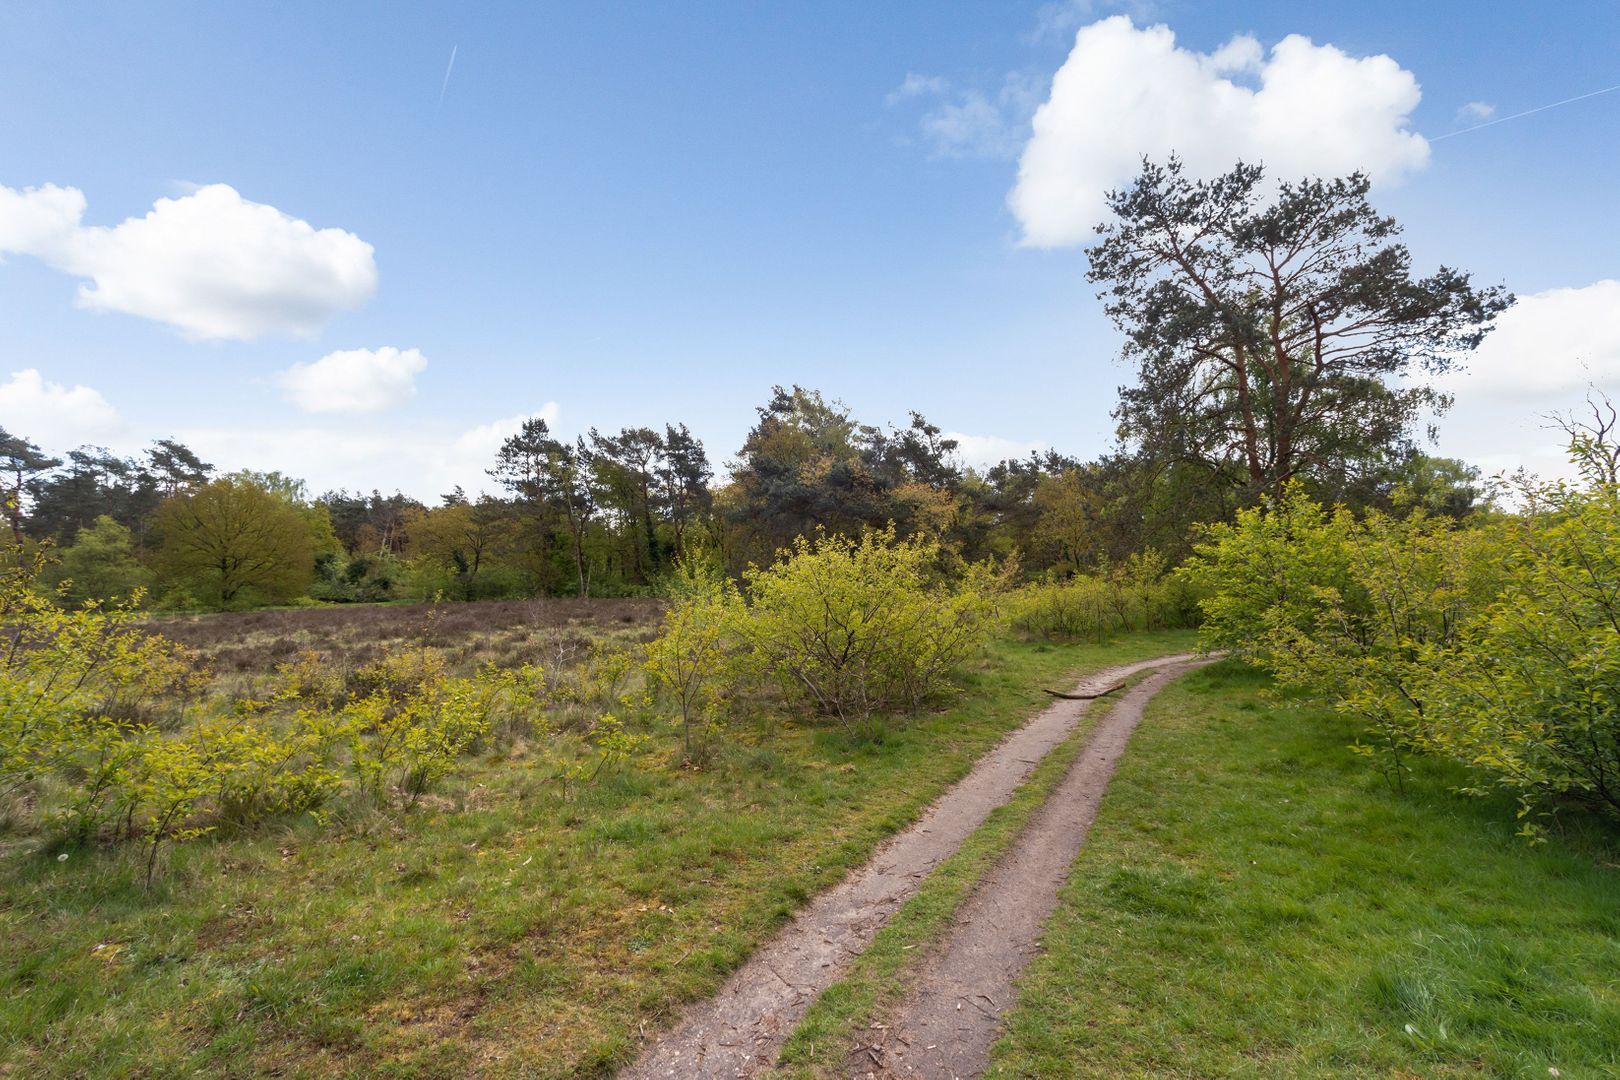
x,y
952,1010
740,1030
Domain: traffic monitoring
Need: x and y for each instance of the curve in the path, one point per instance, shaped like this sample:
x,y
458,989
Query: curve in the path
x,y
951,1013
739,1030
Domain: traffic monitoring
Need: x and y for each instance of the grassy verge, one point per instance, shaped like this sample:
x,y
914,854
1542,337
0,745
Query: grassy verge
x,y
1254,900
502,929
842,1017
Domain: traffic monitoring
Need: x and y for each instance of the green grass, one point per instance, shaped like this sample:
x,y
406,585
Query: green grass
x,y
1255,900
499,930
842,1016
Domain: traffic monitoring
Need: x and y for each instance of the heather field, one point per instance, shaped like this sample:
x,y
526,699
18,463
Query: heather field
x,y
507,633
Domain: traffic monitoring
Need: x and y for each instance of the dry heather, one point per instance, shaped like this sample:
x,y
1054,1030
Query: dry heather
x,y
508,633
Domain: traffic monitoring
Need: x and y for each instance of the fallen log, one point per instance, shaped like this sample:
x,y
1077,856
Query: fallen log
x,y
1086,696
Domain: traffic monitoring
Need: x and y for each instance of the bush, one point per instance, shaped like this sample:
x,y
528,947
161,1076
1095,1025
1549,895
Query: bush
x,y
101,565
1136,594
1495,643
853,627
1415,586
66,674
1276,567
1530,692
414,739
77,686
359,579
691,653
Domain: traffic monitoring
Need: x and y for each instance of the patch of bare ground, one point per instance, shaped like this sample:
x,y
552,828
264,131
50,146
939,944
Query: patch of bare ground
x,y
739,1031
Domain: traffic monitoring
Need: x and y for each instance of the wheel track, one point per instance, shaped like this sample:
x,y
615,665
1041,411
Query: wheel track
x,y
951,1013
739,1031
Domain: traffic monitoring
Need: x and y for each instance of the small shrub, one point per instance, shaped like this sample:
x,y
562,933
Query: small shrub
x,y
399,675
67,675
853,627
691,655
1529,693
414,740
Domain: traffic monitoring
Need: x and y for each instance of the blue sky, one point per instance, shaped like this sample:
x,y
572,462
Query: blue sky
x,y
627,214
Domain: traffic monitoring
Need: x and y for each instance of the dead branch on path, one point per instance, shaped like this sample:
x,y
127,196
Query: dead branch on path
x,y
1087,696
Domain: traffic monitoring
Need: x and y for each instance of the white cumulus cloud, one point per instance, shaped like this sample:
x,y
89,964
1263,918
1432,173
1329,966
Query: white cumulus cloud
x,y
40,219
211,264
55,416
1124,92
982,451
354,380
1548,343
1543,355
482,442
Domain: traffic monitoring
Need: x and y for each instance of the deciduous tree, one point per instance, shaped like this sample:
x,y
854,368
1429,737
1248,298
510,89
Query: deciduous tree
x,y
232,538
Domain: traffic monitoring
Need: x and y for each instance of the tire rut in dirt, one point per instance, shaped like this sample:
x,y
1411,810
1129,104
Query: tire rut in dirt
x,y
951,1014
739,1031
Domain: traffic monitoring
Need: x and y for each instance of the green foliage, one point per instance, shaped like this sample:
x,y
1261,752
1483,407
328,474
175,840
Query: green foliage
x,y
847,628
65,672
808,464
1495,644
78,684
261,769
101,564
233,540
1137,594
359,578
1375,647
1530,692
168,778
399,675
692,652
1272,569
412,736
1278,331
458,545
853,627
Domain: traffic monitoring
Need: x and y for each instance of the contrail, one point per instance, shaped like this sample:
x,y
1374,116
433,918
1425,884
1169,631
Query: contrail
x,y
1528,112
448,68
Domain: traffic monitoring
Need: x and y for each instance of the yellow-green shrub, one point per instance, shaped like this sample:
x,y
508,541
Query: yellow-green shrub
x,y
76,684
690,655
66,672
1529,694
852,627
1415,586
1495,643
1278,565
399,675
415,739
1137,594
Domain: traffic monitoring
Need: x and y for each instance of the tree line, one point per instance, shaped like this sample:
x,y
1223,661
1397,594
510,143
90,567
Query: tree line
x,y
1277,335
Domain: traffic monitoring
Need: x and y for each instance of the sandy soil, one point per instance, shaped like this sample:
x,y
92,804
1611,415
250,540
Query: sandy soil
x,y
740,1030
952,1009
